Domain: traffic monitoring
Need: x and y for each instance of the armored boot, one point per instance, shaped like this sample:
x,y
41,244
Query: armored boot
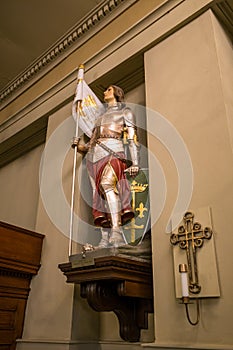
x,y
116,238
104,242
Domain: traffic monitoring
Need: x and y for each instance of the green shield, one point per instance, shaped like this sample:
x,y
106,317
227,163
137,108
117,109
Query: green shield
x,y
135,229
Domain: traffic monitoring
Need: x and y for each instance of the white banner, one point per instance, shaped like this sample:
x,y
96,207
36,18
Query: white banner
x,y
90,107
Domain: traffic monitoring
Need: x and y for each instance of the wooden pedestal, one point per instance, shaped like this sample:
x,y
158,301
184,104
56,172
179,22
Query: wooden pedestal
x,y
20,253
119,284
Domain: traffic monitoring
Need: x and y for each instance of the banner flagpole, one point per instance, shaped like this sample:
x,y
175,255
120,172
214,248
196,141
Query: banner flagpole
x,y
77,101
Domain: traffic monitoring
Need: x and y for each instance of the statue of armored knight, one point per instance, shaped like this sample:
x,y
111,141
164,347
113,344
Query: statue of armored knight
x,y
107,165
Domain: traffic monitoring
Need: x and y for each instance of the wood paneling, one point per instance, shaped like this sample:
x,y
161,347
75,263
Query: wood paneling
x,y
20,254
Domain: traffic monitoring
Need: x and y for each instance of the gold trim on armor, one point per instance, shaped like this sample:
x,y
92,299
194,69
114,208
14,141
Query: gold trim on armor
x,y
115,178
109,173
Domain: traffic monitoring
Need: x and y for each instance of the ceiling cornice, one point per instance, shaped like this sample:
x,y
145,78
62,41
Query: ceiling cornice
x,y
105,12
98,18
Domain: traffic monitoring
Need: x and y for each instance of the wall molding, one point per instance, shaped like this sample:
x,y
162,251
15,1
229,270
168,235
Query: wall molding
x,y
223,10
83,31
95,20
100,69
24,141
177,346
98,65
38,344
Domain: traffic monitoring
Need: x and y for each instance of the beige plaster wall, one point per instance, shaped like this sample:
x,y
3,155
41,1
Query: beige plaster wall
x,y
19,188
49,313
187,81
49,308
190,90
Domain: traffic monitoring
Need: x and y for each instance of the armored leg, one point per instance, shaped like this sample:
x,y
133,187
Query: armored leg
x,y
108,187
116,236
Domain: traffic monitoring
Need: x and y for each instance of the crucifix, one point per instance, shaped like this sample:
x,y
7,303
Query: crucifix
x,y
190,237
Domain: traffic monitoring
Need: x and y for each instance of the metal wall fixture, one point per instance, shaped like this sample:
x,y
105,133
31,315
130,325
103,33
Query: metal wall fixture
x,y
190,237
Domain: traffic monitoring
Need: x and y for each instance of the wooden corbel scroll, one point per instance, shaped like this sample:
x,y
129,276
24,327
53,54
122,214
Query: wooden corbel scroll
x,y
115,283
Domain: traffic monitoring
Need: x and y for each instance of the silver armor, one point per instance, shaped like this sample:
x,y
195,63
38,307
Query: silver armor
x,y
115,129
112,129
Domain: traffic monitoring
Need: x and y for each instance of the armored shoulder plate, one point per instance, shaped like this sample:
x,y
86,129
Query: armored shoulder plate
x,y
129,117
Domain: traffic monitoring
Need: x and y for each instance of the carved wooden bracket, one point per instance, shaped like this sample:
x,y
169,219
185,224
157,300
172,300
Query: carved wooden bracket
x,y
118,284
19,262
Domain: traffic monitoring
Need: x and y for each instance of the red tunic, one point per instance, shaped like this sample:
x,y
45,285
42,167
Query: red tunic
x,y
99,209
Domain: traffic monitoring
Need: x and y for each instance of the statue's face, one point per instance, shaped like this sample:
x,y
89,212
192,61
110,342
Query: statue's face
x,y
109,95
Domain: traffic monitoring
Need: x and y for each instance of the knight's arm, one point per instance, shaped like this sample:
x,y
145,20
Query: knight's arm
x,y
80,145
131,136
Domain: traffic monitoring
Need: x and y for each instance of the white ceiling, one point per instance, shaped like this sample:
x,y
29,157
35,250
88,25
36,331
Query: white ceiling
x,y
29,27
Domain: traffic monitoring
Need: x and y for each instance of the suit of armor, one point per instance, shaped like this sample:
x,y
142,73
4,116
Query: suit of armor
x,y
106,166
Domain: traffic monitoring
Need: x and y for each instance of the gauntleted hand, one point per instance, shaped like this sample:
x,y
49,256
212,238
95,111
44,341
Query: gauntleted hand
x,y
81,148
132,170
